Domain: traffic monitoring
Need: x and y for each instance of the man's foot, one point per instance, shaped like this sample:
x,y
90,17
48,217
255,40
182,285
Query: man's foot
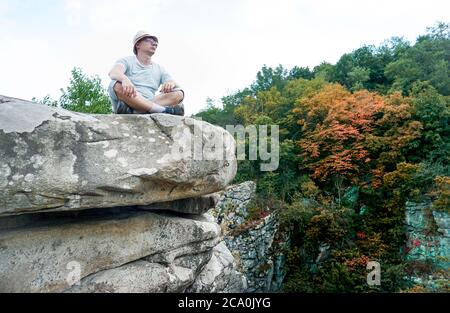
x,y
169,110
179,109
176,110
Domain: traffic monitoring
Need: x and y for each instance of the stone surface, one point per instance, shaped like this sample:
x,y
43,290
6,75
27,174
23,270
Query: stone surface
x,y
210,271
232,205
137,277
428,234
220,274
57,160
170,256
428,241
259,248
42,256
112,203
196,262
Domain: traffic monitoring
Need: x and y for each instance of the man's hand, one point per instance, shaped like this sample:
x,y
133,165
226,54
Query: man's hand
x,y
128,88
168,87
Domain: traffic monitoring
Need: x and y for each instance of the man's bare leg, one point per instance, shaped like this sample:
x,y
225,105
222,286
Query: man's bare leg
x,y
139,103
169,99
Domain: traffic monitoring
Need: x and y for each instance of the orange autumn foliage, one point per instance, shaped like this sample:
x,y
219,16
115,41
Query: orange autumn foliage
x,y
335,124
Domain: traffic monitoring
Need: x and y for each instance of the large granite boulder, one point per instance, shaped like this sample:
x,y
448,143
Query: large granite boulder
x,y
106,248
57,160
111,203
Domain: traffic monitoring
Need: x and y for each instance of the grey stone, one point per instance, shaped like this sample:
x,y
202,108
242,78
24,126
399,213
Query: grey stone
x,y
443,222
219,274
195,262
254,248
425,243
168,257
137,277
57,160
415,215
41,257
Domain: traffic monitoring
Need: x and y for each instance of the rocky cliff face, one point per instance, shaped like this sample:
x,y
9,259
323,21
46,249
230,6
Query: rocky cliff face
x,y
428,233
258,245
80,203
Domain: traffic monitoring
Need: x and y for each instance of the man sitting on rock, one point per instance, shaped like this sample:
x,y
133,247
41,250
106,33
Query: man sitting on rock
x,y
136,79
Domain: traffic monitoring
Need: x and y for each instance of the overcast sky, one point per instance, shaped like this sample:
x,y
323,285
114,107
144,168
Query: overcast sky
x,y
211,47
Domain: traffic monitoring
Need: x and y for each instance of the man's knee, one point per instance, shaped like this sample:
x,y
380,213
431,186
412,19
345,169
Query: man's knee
x,y
178,95
118,89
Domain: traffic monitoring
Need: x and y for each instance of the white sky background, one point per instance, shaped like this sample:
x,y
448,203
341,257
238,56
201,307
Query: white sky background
x,y
211,47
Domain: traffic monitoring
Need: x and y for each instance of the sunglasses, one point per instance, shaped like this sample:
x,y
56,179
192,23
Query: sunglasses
x,y
153,41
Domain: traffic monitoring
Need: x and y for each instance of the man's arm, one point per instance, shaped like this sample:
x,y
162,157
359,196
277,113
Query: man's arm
x,y
168,86
118,73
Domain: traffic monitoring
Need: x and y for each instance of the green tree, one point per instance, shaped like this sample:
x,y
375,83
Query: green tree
x,y
357,77
85,94
211,114
225,115
364,68
324,71
428,60
300,72
433,111
268,77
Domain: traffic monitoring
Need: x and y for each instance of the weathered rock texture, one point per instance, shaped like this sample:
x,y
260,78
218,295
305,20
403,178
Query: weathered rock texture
x,y
105,203
220,274
428,233
259,245
38,258
115,250
56,160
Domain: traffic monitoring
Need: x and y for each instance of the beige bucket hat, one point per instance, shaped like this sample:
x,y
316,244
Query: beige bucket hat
x,y
141,35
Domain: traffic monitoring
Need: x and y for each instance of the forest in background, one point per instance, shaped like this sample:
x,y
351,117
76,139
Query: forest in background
x,y
357,140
